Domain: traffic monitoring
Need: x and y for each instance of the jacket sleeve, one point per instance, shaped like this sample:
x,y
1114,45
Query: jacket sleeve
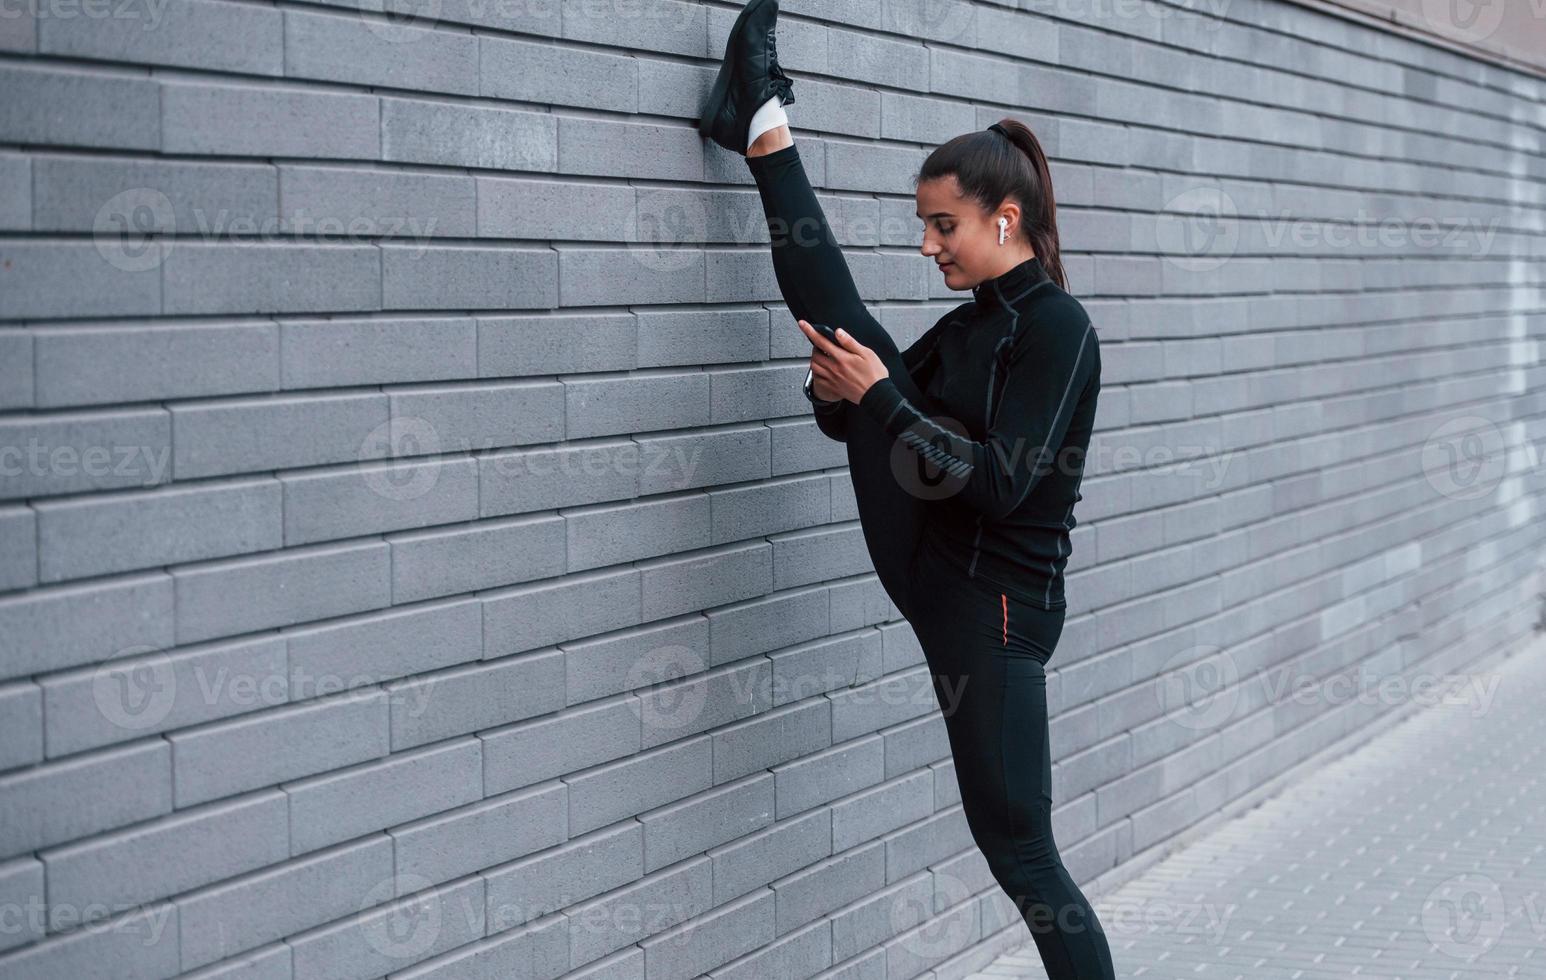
x,y
1049,366
832,417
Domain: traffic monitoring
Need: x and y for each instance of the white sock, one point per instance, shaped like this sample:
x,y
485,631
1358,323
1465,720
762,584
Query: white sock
x,y
770,116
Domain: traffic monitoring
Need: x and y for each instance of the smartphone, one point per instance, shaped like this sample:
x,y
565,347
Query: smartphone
x,y
826,331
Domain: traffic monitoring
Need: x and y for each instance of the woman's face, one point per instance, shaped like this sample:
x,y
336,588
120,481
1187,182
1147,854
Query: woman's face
x,y
959,235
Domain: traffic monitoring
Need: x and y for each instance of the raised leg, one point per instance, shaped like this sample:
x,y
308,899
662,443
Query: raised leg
x,y
817,286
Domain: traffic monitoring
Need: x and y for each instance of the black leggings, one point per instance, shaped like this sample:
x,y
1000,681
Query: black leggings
x,y
987,651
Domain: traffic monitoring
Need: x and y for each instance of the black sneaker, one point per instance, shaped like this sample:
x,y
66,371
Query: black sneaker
x,y
748,77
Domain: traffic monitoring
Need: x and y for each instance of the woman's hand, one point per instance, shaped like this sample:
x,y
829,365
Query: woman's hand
x,y
845,370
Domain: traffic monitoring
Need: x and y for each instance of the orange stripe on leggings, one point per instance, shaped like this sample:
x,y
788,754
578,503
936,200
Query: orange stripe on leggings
x,y
1005,600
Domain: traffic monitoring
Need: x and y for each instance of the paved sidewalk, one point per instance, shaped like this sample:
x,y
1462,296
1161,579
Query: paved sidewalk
x,y
1420,855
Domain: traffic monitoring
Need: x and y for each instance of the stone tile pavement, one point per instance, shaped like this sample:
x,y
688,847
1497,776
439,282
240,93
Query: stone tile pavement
x,y
1419,855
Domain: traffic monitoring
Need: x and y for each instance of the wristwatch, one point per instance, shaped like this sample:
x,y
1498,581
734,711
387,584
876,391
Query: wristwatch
x,y
820,403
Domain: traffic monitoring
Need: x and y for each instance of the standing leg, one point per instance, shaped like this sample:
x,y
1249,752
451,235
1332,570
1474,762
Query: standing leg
x,y
988,654
817,286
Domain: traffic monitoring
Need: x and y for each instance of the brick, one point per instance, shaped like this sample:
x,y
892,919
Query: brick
x,y
18,548
16,373
482,835
672,895
526,889
150,361
15,192
66,800
188,850
341,805
21,727
234,120
273,746
541,479
142,943
691,827
477,556
630,786
116,110
142,695
581,605
371,203
18,33
467,277
634,404
329,657
435,706
204,199
675,26
628,149
770,738
511,207
337,353
371,52
468,136
50,629
628,532
683,462
236,435
270,962
776,851
42,280
611,277
825,776
710,940
477,417
21,887
250,911
543,73
530,751
228,596
730,574
180,33
271,278
538,950
365,945
78,538
377,497
567,344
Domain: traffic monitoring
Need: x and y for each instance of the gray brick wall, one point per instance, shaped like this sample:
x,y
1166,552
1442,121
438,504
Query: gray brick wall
x,y
417,558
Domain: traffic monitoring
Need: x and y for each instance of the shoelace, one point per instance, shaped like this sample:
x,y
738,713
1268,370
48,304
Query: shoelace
x,y
783,85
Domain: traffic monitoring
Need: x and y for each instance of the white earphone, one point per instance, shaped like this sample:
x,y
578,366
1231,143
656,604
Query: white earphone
x,y
1003,229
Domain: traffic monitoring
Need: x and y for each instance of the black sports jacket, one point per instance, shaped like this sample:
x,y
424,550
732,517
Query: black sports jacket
x,y
1018,368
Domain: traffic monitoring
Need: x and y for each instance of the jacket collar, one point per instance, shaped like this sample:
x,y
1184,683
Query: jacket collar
x,y
1009,288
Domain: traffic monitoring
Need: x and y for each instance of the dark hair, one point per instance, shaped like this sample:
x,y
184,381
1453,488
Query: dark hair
x,y
990,167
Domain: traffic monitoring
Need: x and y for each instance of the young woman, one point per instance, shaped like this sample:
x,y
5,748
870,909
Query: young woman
x,y
966,452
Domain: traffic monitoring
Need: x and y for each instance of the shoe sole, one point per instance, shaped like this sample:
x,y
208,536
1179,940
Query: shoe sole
x,y
719,94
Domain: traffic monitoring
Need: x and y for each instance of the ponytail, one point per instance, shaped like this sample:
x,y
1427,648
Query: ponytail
x,y
1006,161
